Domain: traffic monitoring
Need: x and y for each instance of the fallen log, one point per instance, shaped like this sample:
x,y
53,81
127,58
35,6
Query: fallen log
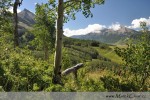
x,y
73,70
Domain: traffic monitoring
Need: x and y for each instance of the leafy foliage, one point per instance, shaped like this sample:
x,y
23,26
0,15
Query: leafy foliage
x,y
44,29
115,84
21,72
137,58
84,6
5,16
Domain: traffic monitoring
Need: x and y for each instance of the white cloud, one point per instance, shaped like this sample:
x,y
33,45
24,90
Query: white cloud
x,y
11,10
35,3
115,26
136,22
95,28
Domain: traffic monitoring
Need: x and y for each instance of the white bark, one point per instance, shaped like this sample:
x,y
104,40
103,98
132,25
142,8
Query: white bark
x,y
58,52
73,69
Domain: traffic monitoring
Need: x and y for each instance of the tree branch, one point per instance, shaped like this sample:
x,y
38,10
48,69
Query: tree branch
x,y
72,3
72,69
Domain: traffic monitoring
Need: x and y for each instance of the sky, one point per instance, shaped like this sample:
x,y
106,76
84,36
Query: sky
x,y
112,15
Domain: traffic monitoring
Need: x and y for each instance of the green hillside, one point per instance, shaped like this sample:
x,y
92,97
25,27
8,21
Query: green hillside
x,y
35,56
88,50
102,69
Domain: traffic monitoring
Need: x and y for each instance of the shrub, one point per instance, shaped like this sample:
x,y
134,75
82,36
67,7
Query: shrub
x,y
115,84
21,72
136,57
96,64
110,83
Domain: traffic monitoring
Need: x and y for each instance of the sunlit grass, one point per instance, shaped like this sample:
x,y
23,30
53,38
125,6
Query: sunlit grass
x,y
110,53
97,74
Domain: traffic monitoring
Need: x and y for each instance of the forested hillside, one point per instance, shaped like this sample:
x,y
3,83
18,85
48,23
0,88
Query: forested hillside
x,y
43,53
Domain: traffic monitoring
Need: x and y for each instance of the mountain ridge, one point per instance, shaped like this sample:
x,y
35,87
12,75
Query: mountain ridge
x,y
26,17
109,36
25,21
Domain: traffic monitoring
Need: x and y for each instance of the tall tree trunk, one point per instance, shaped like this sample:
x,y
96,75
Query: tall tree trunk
x,y
58,51
16,42
46,53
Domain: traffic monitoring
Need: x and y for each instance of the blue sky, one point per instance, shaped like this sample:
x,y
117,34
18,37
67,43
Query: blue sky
x,y
110,15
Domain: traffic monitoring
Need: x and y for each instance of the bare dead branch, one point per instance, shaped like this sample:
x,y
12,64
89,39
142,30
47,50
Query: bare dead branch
x,y
72,69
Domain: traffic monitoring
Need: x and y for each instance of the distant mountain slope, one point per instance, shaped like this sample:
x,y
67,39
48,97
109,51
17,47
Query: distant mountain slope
x,y
110,36
26,17
25,21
